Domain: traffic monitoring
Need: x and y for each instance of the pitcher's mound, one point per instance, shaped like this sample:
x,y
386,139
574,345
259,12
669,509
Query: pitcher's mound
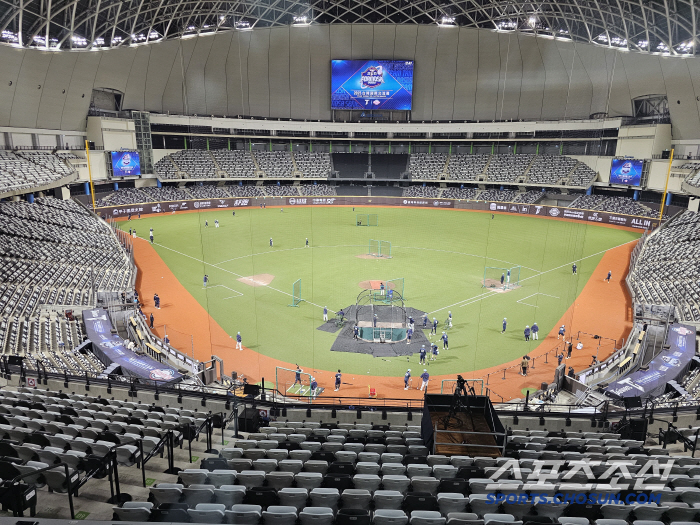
x,y
374,285
262,279
494,285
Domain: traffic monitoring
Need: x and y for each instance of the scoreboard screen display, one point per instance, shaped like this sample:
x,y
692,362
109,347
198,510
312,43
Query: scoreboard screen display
x,y
372,84
626,171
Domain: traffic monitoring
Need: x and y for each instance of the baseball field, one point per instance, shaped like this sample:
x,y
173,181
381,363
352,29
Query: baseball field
x,y
440,254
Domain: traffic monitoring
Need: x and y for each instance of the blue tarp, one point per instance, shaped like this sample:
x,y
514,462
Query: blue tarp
x,y
670,364
110,348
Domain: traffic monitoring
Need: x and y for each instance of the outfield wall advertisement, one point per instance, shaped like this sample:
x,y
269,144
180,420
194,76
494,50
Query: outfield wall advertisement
x,y
555,212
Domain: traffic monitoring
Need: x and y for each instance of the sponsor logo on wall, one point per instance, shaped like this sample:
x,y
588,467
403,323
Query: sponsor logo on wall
x,y
554,212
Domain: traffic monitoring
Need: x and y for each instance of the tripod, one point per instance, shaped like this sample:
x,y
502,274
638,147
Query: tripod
x,y
460,394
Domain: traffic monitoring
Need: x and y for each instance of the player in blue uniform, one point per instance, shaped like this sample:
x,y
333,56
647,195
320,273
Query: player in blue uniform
x,y
314,386
150,234
425,320
434,329
562,332
607,279
325,313
381,288
206,280
573,268
535,329
297,376
421,360
407,379
527,332
449,319
503,278
270,242
307,242
374,320
356,333
409,334
444,341
338,376
508,277
206,224
435,353
505,325
239,341
425,376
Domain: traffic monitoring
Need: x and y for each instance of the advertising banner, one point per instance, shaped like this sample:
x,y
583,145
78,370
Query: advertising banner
x,y
110,348
670,364
555,212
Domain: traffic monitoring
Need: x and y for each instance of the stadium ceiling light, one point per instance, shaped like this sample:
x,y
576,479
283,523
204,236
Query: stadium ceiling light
x,y
532,21
301,20
447,21
242,25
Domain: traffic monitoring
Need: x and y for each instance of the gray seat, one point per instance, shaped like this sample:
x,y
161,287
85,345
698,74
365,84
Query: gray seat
x,y
134,511
325,497
278,454
207,513
291,465
265,465
251,478
400,483
229,495
219,477
195,494
480,504
389,517
387,499
309,480
367,467
369,482
194,476
279,515
426,484
293,497
316,516
451,502
615,511
244,514
649,512
356,498
426,517
463,518
414,469
573,521
167,492
280,480
302,455
314,465
397,469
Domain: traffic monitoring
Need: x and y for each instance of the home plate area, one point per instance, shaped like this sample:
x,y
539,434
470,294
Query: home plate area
x,y
261,279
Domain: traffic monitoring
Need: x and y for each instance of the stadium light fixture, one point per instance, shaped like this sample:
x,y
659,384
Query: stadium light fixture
x,y
78,41
242,25
447,21
301,20
506,25
532,21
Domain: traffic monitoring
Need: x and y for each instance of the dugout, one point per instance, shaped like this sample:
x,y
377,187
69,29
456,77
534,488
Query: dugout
x,y
390,312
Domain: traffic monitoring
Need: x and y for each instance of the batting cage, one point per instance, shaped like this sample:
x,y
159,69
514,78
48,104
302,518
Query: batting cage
x,y
381,316
379,248
501,278
287,383
367,219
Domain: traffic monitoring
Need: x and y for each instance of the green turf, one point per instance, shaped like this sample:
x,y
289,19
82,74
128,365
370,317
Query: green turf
x,y
440,253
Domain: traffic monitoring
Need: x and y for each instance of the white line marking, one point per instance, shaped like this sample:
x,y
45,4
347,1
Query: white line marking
x,y
484,296
230,290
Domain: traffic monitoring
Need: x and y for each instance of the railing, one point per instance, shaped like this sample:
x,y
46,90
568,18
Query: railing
x,y
13,486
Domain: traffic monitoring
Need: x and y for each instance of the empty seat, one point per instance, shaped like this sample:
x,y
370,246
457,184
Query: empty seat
x,y
426,517
389,517
193,476
251,478
400,483
167,492
280,515
309,480
195,494
280,480
324,497
387,499
220,477
244,514
293,497
229,495
207,513
451,502
134,511
316,516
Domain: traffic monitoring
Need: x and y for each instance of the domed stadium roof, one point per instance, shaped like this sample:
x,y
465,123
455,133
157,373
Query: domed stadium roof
x,y
649,26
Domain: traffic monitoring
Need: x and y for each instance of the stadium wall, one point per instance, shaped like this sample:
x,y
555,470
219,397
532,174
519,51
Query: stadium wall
x,y
460,74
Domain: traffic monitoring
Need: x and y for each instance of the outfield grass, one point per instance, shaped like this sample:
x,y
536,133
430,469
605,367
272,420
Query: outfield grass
x,y
440,253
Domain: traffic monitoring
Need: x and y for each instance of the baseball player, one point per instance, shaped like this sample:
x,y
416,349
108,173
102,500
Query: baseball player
x,y
206,280
503,278
239,340
297,376
534,330
409,334
421,360
206,224
449,319
407,379
562,331
508,277
444,341
150,235
434,329
307,242
216,223
527,332
425,376
356,333
314,386
435,351
505,325
325,313
338,377
425,320
270,242
573,269
607,279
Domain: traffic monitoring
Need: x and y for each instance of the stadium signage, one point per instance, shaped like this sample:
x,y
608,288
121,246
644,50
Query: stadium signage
x,y
641,223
